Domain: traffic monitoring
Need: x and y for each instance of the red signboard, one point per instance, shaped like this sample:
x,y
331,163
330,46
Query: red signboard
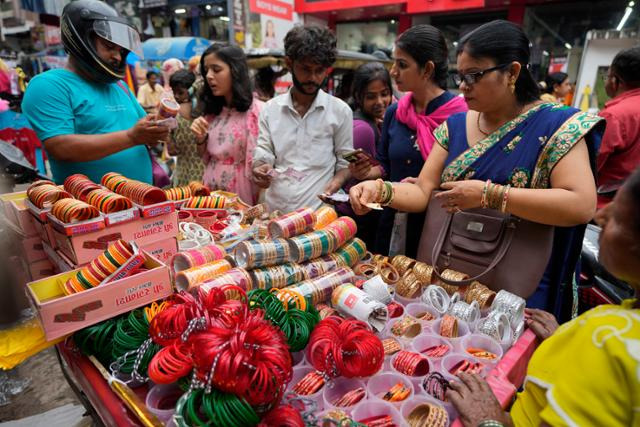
x,y
274,8
433,6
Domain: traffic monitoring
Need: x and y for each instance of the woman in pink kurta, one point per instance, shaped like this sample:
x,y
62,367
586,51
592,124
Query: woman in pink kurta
x,y
227,132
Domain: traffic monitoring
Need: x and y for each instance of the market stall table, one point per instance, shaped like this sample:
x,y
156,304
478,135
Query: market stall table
x,y
505,379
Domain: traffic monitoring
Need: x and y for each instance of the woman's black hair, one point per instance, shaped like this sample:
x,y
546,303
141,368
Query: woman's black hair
x,y
426,43
264,81
151,73
504,42
633,186
555,79
242,95
365,74
313,43
182,79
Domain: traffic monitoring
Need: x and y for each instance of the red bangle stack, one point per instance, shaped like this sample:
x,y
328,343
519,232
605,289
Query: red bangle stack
x,y
80,186
412,364
72,210
140,192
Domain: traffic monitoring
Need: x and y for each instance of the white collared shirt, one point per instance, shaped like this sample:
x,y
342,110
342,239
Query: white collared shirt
x,y
313,144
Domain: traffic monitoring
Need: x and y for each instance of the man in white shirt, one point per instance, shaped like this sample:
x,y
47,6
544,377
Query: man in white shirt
x,y
149,94
305,129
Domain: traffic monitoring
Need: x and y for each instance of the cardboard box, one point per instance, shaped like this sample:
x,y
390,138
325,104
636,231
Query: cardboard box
x,y
83,248
44,231
163,250
157,209
82,227
62,263
33,249
62,314
18,215
41,269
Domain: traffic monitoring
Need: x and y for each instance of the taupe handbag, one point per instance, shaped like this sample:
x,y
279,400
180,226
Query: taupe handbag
x,y
498,250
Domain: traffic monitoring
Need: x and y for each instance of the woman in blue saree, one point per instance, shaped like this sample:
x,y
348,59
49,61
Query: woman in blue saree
x,y
544,152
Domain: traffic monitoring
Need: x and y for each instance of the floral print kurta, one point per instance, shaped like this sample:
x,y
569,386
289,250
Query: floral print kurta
x,y
229,152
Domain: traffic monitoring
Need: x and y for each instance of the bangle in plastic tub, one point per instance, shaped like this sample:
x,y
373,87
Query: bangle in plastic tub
x,y
344,393
161,400
422,312
482,348
424,411
390,387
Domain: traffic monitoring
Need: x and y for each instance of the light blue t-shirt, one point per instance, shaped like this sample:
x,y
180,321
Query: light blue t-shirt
x,y
60,102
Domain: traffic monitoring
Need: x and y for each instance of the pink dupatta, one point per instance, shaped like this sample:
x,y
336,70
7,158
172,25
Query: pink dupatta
x,y
425,125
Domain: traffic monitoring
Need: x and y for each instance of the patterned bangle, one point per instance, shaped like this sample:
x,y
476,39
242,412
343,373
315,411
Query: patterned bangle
x,y
505,198
490,423
380,183
483,201
389,193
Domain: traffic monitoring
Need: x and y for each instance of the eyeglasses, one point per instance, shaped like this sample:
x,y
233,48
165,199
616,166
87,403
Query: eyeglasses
x,y
472,78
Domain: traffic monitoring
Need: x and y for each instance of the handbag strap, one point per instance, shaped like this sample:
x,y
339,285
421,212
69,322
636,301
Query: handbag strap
x,y
437,249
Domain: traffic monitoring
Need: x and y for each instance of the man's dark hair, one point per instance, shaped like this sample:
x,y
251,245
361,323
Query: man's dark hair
x,y
311,43
242,95
151,73
182,79
626,65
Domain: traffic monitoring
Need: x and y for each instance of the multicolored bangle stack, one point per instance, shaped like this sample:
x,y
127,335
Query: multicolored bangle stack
x,y
350,253
178,193
277,276
412,364
312,245
495,196
481,353
320,289
252,254
344,228
43,194
436,351
467,367
205,202
409,286
325,216
436,385
80,185
199,189
107,201
194,276
71,210
397,393
292,224
90,276
195,257
236,276
139,192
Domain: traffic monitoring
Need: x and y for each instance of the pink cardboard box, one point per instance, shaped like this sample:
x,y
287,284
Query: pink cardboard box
x,y
62,263
41,269
44,230
33,249
83,248
163,250
62,314
18,214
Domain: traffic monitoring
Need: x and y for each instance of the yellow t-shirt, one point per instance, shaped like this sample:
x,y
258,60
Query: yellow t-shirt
x,y
587,373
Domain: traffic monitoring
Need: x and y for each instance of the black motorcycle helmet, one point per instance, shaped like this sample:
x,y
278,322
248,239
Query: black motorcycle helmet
x,y
82,20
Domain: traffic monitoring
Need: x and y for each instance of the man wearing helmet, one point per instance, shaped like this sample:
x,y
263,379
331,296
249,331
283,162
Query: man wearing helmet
x,y
88,119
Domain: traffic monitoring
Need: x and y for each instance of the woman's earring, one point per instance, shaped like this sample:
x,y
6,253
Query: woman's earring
x,y
512,86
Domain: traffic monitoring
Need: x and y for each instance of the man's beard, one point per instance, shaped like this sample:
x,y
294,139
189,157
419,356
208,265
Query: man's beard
x,y
302,87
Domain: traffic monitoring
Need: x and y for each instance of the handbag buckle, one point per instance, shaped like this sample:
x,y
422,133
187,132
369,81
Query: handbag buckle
x,y
447,259
475,226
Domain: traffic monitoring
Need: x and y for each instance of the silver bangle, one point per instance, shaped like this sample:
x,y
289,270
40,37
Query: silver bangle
x,y
496,325
437,298
511,305
467,312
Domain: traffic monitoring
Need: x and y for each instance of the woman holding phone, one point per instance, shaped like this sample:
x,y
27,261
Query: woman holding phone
x,y
371,91
420,69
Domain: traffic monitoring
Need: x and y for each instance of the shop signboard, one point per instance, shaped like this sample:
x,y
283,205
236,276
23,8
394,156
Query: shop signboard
x,y
433,6
270,20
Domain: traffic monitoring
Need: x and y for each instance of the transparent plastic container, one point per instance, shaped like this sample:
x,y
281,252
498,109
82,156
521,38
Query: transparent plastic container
x,y
380,384
425,367
421,399
448,362
412,332
339,387
161,400
373,408
463,330
483,342
426,341
299,358
298,373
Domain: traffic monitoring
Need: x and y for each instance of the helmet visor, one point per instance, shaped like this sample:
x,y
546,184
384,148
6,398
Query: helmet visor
x,y
120,34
